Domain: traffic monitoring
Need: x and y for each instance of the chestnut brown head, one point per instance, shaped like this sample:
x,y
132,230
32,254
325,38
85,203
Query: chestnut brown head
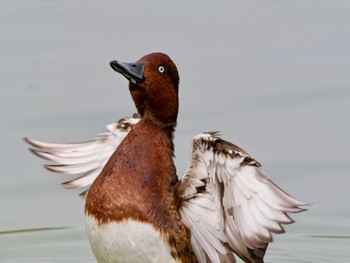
x,y
154,85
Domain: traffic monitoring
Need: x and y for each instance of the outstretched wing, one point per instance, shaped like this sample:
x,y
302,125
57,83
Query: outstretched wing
x,y
229,204
85,159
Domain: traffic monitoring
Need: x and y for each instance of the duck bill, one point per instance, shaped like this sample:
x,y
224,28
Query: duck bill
x,y
132,71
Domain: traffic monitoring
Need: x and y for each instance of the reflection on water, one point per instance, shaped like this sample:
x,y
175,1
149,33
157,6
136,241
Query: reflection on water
x,y
271,76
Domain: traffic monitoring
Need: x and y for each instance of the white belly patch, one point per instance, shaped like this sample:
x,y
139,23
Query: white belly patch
x,y
126,242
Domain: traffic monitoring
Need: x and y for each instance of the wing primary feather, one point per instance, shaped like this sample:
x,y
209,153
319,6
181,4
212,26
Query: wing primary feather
x,y
81,181
85,159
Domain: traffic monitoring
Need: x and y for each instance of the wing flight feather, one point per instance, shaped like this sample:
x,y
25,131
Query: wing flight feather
x,y
228,202
85,159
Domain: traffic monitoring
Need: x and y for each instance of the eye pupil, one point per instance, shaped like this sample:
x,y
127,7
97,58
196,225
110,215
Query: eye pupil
x,y
161,69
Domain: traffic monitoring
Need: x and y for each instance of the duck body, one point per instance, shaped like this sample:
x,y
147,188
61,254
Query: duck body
x,y
137,210
132,202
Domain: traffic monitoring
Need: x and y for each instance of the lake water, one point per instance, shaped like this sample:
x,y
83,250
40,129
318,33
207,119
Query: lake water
x,y
272,76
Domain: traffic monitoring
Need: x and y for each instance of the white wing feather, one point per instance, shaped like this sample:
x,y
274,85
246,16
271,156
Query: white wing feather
x,y
229,204
85,158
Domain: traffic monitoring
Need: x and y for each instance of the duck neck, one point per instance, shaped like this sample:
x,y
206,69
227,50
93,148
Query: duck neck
x,y
167,128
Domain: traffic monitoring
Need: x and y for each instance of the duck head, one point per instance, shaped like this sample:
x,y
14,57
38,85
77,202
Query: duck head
x,y
154,85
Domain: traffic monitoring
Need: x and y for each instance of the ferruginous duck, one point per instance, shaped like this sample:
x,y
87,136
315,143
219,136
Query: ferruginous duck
x,y
138,210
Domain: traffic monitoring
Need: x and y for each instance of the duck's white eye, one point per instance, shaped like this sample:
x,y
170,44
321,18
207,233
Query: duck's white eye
x,y
161,69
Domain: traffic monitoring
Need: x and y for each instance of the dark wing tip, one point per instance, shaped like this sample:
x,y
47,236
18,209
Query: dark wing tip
x,y
83,194
29,141
69,184
54,168
39,153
